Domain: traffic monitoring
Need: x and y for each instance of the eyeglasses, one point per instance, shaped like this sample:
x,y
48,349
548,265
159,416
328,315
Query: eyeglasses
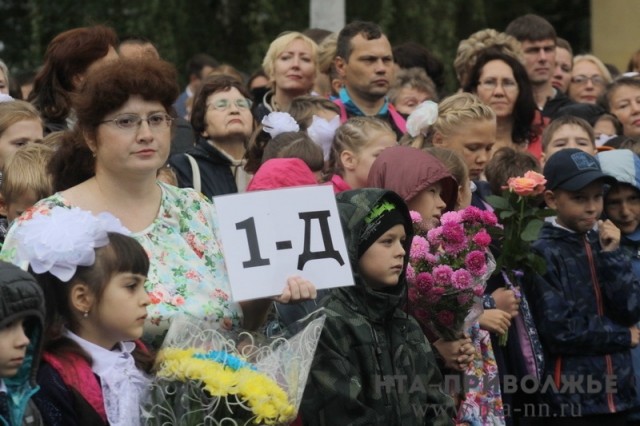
x,y
596,80
134,121
225,104
492,84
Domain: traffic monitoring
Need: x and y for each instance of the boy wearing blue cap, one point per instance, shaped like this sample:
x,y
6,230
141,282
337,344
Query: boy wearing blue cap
x,y
587,303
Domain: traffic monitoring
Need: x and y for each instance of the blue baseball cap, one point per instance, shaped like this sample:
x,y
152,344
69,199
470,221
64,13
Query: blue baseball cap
x,y
572,169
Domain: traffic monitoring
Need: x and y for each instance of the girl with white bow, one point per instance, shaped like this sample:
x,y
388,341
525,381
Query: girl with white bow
x,y
94,368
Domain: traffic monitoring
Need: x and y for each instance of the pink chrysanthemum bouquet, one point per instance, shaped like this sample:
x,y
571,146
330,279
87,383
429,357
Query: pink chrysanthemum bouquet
x,y
447,271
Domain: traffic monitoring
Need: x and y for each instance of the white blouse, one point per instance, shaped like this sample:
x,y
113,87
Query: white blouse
x,y
124,386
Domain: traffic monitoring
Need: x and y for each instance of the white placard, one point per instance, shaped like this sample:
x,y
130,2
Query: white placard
x,y
268,236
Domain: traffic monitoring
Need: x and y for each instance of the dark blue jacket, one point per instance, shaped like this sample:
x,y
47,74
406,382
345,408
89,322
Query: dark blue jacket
x,y
583,307
215,170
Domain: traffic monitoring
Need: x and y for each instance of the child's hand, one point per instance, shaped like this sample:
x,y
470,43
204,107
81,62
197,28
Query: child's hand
x,y
297,290
495,321
635,336
456,354
609,235
506,301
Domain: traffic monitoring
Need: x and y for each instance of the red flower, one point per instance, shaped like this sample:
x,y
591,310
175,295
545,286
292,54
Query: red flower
x,y
482,238
476,262
489,218
424,282
156,297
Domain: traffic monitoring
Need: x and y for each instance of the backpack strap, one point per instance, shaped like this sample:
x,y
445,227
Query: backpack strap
x,y
343,110
398,120
195,171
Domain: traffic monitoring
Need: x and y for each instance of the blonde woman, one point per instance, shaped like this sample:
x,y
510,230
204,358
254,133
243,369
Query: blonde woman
x,y
290,65
589,79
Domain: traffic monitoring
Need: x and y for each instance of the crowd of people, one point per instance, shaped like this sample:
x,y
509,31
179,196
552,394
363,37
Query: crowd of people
x,y
109,230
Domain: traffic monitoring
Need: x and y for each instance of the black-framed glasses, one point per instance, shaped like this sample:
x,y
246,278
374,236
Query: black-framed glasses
x,y
225,104
596,80
155,121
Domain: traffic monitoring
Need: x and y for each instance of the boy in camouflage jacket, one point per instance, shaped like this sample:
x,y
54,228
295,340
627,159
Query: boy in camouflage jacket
x,y
586,305
373,365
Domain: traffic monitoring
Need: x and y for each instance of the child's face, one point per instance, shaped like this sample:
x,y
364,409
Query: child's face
x,y
473,143
577,210
622,206
120,313
363,159
382,264
429,204
13,347
604,126
570,136
16,207
17,135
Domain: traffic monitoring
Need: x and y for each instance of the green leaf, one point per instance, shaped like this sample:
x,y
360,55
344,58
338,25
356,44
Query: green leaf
x,y
530,232
507,214
498,202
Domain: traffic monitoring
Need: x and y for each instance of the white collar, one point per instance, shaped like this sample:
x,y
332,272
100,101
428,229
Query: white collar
x,y
3,387
103,359
124,387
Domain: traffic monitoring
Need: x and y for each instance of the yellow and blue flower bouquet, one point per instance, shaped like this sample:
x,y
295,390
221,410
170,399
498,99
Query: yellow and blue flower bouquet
x,y
207,376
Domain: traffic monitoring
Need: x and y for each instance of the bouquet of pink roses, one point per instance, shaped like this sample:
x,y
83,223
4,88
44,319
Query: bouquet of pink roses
x,y
447,271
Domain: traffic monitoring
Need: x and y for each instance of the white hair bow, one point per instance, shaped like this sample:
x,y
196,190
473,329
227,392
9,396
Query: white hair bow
x,y
421,118
63,239
279,122
322,132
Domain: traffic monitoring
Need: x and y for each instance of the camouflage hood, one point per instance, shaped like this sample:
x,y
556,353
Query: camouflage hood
x,y
354,206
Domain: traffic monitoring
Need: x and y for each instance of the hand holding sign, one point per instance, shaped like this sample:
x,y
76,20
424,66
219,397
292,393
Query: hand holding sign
x,y
298,289
268,236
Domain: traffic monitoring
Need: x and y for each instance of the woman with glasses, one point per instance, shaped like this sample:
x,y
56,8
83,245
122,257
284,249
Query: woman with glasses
x,y
501,82
109,164
290,65
589,79
221,118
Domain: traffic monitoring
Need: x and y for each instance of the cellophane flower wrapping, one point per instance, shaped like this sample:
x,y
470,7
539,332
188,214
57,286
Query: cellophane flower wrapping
x,y
448,269
214,377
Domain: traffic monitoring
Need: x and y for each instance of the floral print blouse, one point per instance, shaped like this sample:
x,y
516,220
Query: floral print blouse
x,y
187,271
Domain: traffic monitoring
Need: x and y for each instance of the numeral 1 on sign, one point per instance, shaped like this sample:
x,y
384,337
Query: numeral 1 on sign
x,y
255,259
